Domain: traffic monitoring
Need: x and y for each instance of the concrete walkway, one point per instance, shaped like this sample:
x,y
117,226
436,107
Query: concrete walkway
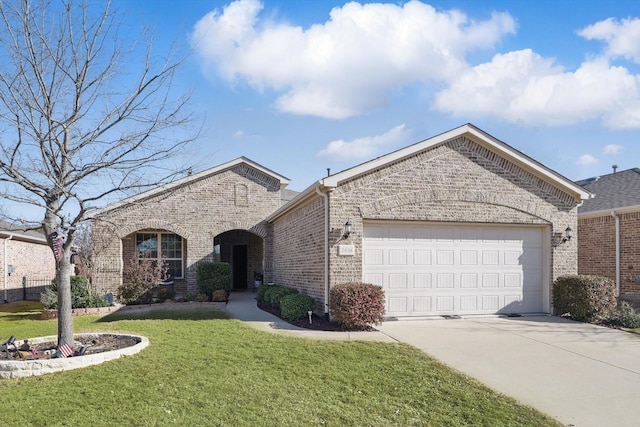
x,y
242,306
581,374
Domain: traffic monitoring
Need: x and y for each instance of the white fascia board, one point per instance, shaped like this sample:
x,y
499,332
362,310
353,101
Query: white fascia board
x,y
476,135
22,237
608,212
293,203
194,177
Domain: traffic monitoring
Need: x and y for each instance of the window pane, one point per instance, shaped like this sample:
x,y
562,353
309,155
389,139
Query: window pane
x,y
171,246
175,269
147,243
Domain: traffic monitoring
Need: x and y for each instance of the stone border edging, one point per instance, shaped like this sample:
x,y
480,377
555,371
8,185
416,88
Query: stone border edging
x,y
29,368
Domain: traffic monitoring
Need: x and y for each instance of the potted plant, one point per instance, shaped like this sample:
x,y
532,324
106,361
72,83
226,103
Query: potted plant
x,y
257,279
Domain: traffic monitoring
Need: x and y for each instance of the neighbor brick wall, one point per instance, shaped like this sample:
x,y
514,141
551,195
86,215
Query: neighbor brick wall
x,y
239,198
31,260
597,249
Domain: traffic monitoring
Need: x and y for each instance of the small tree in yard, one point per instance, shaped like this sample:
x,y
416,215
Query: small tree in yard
x,y
84,118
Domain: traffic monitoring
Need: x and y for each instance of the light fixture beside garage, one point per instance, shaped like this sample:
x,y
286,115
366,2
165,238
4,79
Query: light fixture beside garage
x,y
568,234
347,229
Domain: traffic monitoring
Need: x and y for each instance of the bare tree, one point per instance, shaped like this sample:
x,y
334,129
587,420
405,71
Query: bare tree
x,y
86,114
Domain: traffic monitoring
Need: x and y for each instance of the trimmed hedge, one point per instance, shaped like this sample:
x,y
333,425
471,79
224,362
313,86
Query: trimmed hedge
x,y
212,276
584,298
275,293
296,306
356,305
262,291
80,295
624,316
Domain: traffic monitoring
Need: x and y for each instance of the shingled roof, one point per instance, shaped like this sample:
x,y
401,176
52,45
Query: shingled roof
x,y
611,192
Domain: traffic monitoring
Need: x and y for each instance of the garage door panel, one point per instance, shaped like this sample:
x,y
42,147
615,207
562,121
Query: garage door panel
x,y
455,269
397,305
398,281
468,280
422,280
444,304
374,257
445,257
398,257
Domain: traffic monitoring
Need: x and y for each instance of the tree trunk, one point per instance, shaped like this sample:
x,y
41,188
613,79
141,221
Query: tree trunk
x,y
65,318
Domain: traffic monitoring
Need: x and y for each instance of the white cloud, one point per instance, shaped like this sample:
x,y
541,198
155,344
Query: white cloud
x,y
346,65
238,134
364,148
612,149
586,160
622,37
524,87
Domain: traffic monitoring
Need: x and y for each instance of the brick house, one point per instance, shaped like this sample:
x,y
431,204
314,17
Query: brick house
x,y
25,260
609,230
460,223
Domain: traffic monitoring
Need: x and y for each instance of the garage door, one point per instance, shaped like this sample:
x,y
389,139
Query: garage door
x,y
453,269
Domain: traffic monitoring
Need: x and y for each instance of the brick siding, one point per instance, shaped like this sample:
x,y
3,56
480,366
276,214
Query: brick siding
x,y
235,199
597,249
458,181
31,260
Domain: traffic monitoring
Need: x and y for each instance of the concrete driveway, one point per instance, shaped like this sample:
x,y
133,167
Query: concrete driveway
x,y
581,374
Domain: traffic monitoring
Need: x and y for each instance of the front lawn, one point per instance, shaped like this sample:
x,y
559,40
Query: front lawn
x,y
203,369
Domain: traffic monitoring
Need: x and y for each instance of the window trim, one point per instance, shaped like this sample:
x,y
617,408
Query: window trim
x,y
158,250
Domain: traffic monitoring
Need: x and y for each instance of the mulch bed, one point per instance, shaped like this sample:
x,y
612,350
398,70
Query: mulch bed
x,y
98,343
318,323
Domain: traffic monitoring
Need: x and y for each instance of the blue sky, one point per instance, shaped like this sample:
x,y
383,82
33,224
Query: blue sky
x,y
302,86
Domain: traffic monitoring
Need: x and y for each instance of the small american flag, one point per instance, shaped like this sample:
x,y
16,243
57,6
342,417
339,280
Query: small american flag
x,y
65,350
58,242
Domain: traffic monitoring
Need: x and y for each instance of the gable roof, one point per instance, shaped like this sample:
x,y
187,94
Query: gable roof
x,y
615,191
284,181
469,131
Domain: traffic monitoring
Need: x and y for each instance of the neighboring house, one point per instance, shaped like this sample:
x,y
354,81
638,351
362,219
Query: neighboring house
x,y
460,223
609,230
25,261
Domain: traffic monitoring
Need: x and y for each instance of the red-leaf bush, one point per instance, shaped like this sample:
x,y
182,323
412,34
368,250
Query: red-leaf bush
x,y
356,305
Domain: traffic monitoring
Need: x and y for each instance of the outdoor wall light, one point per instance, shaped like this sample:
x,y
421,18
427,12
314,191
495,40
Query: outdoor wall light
x,y
568,234
347,229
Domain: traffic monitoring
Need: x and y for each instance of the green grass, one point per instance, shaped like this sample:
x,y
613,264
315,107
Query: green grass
x,y
202,369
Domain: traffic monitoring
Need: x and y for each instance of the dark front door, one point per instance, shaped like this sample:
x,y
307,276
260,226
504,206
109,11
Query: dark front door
x,y
239,266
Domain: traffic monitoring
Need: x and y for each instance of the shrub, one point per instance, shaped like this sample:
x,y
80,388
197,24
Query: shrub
x,y
584,298
49,299
212,276
296,306
356,305
139,276
80,295
624,316
262,291
165,293
275,294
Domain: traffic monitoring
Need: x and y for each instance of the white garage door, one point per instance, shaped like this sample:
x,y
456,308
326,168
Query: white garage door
x,y
453,269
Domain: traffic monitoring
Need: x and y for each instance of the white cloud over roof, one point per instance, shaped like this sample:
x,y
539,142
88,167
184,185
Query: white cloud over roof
x,y
612,149
365,148
349,64
586,159
346,65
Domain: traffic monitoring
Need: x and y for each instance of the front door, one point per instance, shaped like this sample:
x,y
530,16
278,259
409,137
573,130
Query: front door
x,y
239,267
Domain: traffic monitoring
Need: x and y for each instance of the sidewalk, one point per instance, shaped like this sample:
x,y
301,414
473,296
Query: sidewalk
x,y
242,306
